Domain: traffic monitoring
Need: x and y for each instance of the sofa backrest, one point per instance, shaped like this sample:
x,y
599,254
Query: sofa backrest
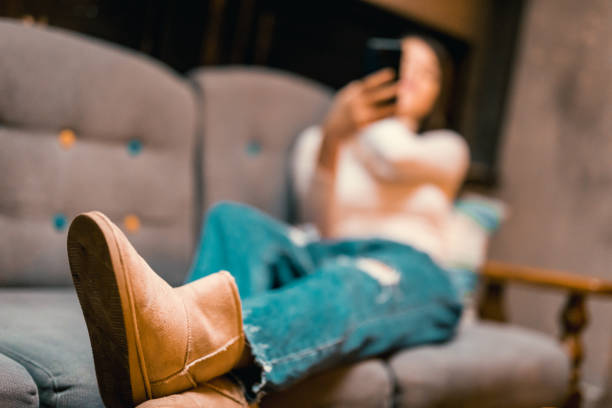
x,y
86,125
250,117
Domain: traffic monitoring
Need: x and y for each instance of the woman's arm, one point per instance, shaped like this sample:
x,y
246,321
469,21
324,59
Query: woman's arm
x,y
313,182
354,107
392,155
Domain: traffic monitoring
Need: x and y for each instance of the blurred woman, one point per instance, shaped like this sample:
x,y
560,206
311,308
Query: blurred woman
x,y
360,176
286,305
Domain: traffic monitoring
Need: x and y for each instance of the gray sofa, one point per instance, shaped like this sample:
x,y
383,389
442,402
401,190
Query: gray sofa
x,y
88,125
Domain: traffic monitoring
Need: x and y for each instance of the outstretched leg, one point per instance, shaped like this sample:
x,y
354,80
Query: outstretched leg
x,y
355,299
261,252
366,297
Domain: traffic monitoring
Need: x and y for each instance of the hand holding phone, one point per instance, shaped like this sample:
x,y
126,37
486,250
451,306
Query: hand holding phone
x,y
360,103
381,53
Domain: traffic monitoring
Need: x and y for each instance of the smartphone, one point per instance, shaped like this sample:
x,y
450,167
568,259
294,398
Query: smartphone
x,y
383,53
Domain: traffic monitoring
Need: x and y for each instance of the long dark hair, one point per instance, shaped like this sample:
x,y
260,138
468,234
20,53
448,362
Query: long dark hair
x,y
438,117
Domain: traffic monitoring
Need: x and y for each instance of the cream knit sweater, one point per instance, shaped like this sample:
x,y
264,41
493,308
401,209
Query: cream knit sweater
x,y
389,183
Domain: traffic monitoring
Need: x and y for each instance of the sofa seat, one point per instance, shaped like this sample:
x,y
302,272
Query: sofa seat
x,y
17,388
488,365
45,334
43,331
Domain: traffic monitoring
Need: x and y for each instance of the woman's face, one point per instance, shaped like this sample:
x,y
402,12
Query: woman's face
x,y
419,80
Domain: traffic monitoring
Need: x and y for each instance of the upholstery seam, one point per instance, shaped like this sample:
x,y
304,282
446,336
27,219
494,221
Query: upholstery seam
x,y
17,355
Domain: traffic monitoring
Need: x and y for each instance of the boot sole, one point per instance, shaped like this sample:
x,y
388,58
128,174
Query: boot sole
x,y
104,294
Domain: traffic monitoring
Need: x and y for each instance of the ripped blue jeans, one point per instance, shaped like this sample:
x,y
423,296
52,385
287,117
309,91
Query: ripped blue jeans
x,y
309,305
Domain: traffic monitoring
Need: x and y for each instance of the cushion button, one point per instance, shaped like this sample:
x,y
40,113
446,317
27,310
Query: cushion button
x,y
253,148
66,138
134,147
131,223
60,222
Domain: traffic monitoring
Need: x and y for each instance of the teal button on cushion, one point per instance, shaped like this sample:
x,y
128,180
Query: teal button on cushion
x,y
60,222
134,147
253,148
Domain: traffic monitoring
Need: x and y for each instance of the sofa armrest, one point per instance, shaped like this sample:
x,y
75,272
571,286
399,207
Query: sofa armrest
x,y
501,271
573,317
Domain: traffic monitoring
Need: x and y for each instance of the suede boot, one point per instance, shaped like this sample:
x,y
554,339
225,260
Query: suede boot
x,y
217,393
149,340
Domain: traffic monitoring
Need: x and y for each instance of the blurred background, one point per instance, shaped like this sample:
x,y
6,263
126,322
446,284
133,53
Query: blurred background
x,y
531,94
318,39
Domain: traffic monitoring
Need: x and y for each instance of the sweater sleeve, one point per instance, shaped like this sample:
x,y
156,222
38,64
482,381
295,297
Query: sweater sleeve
x,y
393,153
304,159
313,185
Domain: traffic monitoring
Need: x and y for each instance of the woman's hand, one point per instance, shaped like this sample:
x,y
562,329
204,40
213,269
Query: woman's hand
x,y
355,106
360,103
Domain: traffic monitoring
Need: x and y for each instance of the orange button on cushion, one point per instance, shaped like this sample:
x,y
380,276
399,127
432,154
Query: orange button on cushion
x,y
66,138
131,223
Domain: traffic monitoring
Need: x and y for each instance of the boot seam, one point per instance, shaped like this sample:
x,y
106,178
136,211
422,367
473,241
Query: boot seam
x,y
128,283
223,392
237,306
189,334
185,370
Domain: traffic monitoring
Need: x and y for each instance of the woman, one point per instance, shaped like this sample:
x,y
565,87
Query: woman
x,y
386,179
289,306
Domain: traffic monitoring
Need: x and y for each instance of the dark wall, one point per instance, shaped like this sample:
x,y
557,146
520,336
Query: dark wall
x,y
320,39
557,163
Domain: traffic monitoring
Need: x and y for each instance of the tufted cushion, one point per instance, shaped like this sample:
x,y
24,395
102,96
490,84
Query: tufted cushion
x,y
250,118
17,388
87,125
364,384
486,366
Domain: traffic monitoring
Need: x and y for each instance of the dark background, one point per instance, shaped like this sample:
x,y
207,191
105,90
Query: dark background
x,y
322,40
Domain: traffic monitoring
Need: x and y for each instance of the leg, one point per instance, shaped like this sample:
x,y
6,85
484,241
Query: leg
x,y
360,298
259,251
366,298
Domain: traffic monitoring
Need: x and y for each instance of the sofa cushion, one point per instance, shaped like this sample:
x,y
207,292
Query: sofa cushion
x,y
250,117
17,388
44,331
88,125
486,366
365,384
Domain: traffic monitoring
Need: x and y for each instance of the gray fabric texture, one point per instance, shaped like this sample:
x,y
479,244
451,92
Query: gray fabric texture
x,y
364,384
486,366
111,99
17,388
44,331
249,119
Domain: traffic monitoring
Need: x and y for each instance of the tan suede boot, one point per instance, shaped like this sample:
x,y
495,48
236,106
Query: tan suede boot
x,y
217,393
148,339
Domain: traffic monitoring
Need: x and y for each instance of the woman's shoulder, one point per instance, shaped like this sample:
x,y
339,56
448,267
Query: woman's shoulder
x,y
449,138
386,132
444,134
385,128
394,127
